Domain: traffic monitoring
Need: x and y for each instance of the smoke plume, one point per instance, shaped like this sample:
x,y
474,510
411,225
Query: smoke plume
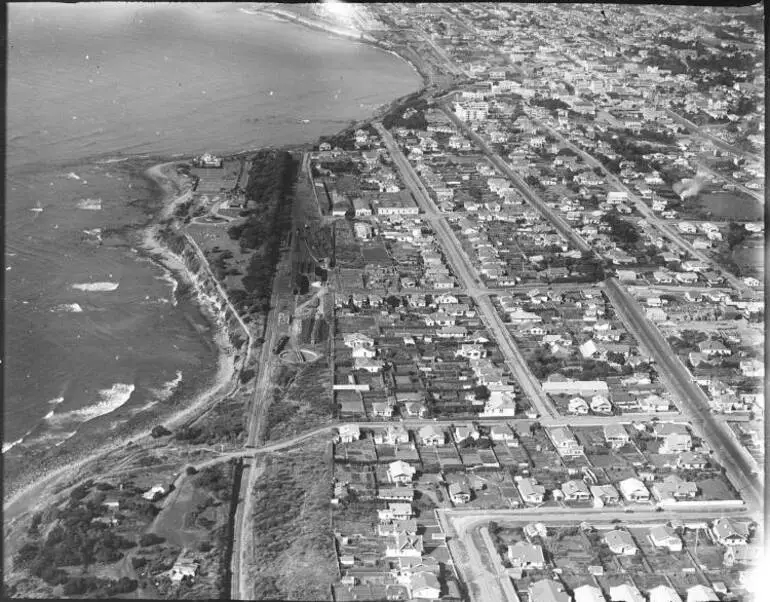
x,y
690,187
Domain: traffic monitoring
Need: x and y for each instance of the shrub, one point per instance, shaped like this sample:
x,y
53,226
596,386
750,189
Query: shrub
x,y
150,539
191,470
160,431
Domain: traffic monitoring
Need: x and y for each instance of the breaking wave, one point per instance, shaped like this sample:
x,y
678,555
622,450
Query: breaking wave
x,y
90,204
73,308
56,401
111,400
96,287
11,445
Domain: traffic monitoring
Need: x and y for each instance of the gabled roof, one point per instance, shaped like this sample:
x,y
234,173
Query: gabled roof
x,y
547,590
588,593
664,593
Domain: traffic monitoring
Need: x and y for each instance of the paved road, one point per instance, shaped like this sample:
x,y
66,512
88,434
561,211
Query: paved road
x,y
502,576
649,214
704,134
693,401
465,271
529,195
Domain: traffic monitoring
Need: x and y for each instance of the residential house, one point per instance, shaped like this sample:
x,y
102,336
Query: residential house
x,y
730,532
530,491
600,405
459,492
625,592
674,487
578,406
664,536
502,433
547,590
393,434
692,460
604,495
633,490
565,442
369,365
675,438
664,593
403,544
653,403
620,542
431,435
575,491
382,409
615,435
183,568
588,593
425,585
524,555
712,348
400,472
465,431
701,593
155,490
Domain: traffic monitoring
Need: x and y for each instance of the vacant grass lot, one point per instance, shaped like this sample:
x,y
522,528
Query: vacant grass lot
x,y
293,556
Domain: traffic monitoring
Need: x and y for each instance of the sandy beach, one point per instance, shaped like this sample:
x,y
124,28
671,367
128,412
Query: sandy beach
x,y
31,496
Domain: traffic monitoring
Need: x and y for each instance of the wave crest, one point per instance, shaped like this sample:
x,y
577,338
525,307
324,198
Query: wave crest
x,y
96,287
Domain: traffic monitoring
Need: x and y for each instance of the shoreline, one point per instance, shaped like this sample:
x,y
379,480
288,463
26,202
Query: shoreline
x,y
360,37
15,501
223,383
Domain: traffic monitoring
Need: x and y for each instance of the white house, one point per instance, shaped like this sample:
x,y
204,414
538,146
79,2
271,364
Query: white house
x,y
664,593
530,491
663,536
620,542
633,490
431,435
588,593
349,433
400,472
525,555
625,592
615,435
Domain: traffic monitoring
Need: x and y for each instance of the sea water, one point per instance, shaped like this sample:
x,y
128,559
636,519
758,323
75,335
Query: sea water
x,y
97,92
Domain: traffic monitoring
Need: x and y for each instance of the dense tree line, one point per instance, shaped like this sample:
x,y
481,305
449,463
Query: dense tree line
x,y
268,218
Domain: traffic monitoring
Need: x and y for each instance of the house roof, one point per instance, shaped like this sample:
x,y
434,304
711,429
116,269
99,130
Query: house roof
x,y
626,592
547,590
527,553
701,593
614,431
619,539
663,533
726,527
664,593
588,593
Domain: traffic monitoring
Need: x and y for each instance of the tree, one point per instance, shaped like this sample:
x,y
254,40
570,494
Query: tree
x,y
481,393
159,431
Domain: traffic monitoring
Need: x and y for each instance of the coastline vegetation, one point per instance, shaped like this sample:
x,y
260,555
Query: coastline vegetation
x,y
293,556
269,196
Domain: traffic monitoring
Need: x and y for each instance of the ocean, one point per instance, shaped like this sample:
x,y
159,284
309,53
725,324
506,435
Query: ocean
x,y
96,94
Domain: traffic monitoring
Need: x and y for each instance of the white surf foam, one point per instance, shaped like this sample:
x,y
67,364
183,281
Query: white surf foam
x,y
90,204
172,282
56,401
11,445
168,388
110,400
96,287
73,176
73,308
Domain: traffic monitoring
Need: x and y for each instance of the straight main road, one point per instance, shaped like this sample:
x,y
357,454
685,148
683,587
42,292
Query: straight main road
x,y
465,271
692,400
704,134
648,213
529,195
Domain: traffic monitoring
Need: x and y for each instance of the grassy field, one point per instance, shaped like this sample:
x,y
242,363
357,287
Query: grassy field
x,y
293,556
302,400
